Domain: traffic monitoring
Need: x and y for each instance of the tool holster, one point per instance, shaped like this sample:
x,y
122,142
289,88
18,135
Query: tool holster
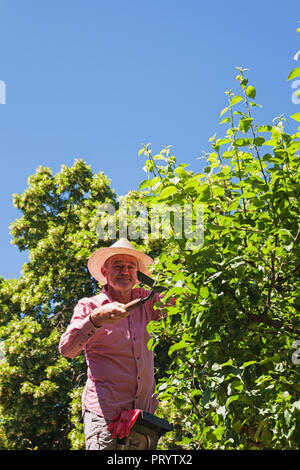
x,y
151,427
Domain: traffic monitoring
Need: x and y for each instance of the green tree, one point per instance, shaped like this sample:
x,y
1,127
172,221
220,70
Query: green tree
x,y
232,382
58,228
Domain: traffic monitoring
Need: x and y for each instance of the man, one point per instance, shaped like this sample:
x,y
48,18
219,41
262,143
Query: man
x,y
120,372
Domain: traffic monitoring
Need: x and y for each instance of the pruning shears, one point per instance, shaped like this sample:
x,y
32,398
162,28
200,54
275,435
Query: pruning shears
x,y
149,282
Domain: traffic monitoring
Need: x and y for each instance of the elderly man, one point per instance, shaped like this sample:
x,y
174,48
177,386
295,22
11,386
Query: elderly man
x,y
120,366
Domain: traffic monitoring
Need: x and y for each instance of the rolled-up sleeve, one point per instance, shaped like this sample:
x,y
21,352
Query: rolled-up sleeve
x,y
155,313
78,332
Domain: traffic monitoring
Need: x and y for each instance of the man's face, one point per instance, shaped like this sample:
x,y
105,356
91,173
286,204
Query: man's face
x,y
120,272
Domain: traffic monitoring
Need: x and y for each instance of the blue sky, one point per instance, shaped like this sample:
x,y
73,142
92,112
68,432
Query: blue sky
x,y
95,79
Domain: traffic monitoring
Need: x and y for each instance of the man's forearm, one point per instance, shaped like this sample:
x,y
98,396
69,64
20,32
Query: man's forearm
x,y
76,336
108,313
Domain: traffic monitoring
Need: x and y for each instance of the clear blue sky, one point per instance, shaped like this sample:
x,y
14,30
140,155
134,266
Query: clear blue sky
x,y
95,79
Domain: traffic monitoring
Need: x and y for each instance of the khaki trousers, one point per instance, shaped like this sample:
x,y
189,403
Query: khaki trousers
x,y
97,436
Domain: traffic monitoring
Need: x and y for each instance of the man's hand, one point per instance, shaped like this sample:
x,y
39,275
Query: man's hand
x,y
108,313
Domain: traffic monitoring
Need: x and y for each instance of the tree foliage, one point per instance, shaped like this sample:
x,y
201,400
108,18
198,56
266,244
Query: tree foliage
x,y
57,228
232,380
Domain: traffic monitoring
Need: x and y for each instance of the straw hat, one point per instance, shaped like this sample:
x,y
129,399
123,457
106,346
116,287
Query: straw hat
x,y
122,246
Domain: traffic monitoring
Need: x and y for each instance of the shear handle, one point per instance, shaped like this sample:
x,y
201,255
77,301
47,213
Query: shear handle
x,y
134,303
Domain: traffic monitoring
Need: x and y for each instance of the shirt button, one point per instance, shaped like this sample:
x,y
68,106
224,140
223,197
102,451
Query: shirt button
x,y
139,378
137,358
134,339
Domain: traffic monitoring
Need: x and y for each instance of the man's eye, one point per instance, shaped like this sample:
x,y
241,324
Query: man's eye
x,y
118,266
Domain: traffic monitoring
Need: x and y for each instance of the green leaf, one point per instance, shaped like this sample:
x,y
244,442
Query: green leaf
x,y
245,124
264,128
242,142
206,396
255,104
168,191
296,117
258,141
248,363
149,183
224,111
227,119
144,184
175,347
236,99
250,91
228,154
231,399
204,292
150,344
294,74
228,363
220,142
217,366
219,432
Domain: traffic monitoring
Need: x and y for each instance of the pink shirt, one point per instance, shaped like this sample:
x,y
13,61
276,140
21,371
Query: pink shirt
x,y
120,371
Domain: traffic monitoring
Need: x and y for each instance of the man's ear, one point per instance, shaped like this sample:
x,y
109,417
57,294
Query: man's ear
x,y
103,271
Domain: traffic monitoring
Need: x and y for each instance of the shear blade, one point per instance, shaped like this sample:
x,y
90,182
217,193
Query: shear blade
x,y
145,279
149,282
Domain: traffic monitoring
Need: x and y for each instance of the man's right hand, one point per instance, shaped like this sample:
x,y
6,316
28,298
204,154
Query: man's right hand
x,y
108,313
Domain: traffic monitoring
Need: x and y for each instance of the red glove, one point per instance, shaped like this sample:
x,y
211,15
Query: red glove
x,y
122,423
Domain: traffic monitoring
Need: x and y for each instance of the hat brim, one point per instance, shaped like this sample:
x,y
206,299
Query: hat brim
x,y
98,258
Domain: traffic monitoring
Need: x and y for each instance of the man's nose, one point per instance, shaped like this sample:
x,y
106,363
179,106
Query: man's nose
x,y
125,270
